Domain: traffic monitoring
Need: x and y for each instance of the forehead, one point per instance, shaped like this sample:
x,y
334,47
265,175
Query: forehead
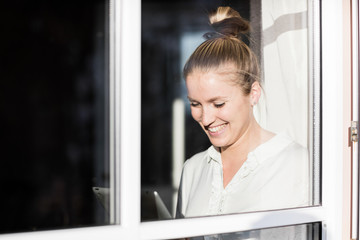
x,y
213,82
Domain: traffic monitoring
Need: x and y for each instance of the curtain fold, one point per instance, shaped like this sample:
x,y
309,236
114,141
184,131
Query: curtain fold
x,y
284,104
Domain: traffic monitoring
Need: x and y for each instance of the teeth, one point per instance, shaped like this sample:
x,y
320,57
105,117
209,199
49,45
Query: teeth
x,y
216,129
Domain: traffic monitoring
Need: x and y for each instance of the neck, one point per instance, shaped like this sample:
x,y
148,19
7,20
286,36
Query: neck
x,y
252,137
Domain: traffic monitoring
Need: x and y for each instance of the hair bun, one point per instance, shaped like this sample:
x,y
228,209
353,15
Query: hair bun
x,y
228,22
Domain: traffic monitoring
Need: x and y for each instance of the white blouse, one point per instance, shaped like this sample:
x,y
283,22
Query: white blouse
x,y
274,176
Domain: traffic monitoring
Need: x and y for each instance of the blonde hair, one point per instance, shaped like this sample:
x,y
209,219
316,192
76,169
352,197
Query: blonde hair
x,y
224,46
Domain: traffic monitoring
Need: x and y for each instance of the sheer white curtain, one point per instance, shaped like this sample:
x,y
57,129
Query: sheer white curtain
x,y
284,106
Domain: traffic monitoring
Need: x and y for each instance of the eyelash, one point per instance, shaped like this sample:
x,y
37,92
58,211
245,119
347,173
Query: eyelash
x,y
219,105
194,104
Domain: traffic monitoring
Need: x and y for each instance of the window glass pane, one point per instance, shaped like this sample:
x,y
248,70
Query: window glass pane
x,y
311,231
272,169
54,107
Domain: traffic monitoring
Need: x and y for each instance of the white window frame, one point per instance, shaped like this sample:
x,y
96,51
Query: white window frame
x,y
125,28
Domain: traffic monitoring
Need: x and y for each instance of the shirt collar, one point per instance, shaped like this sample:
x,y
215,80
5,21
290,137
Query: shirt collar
x,y
214,154
273,146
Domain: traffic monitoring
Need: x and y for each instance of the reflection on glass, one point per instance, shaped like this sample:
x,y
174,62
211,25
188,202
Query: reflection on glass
x,y
278,38
54,106
311,231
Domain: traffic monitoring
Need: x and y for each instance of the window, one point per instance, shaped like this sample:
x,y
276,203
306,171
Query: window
x,y
304,231
281,38
125,142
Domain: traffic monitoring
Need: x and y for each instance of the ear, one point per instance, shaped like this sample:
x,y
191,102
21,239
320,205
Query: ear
x,y
255,93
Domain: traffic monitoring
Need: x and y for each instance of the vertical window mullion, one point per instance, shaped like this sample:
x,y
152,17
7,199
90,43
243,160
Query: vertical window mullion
x,y
332,110
112,112
127,72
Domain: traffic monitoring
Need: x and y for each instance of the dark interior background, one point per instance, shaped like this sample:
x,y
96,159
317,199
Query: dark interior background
x,y
53,113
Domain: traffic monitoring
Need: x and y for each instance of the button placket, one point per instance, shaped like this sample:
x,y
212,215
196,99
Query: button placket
x,y
222,201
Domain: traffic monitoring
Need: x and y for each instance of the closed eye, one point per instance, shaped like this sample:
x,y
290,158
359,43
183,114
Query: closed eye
x,y
219,105
194,104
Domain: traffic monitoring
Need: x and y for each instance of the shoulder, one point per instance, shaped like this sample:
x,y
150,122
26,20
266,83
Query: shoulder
x,y
289,157
197,160
281,153
294,149
286,145
280,146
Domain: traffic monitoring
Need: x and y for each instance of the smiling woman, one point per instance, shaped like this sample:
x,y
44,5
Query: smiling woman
x,y
247,168
226,115
222,109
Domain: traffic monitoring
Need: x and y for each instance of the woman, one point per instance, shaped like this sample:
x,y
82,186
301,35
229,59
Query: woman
x,y
247,168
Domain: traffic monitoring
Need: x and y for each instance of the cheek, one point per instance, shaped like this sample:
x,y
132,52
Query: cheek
x,y
237,113
196,114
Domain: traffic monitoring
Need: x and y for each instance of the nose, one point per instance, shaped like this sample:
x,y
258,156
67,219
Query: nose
x,y
207,116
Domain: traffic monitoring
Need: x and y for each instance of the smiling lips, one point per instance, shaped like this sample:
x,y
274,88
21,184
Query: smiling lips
x,y
217,129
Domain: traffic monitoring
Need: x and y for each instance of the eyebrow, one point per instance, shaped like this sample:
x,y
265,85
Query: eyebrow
x,y
210,100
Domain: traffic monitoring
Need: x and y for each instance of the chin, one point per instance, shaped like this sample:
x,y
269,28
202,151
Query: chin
x,y
218,144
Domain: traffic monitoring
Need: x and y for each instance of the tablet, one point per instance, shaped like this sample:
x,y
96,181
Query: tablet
x,y
103,196
153,207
